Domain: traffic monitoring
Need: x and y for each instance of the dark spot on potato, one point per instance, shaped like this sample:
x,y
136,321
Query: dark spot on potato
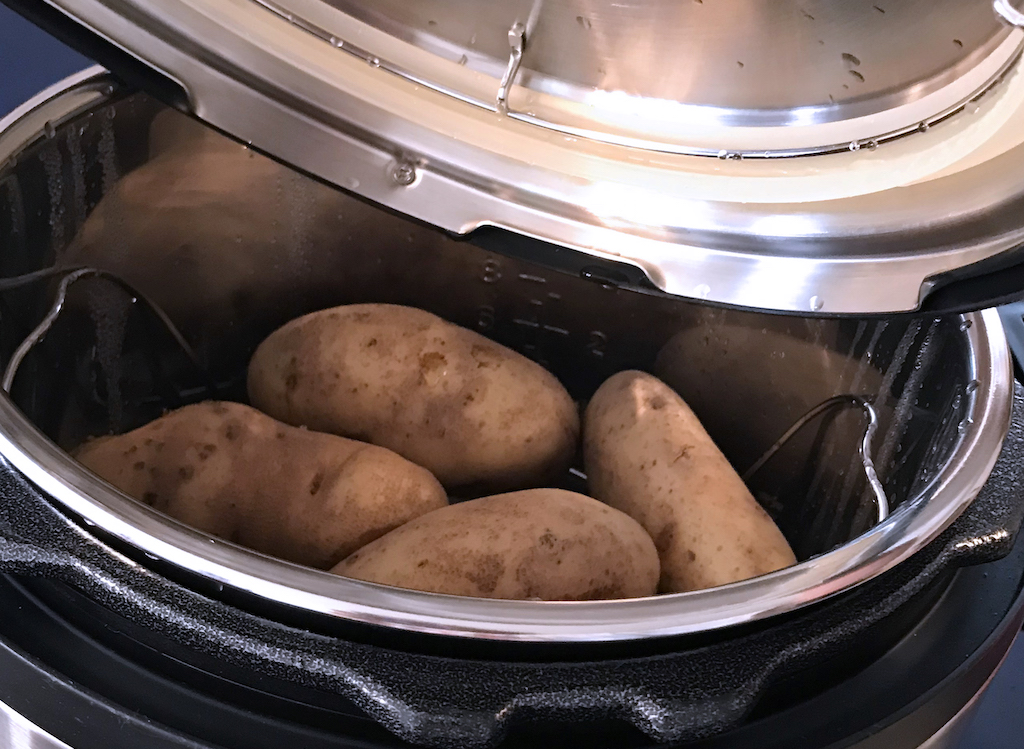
x,y
150,498
187,472
487,573
280,435
665,538
691,556
432,360
291,382
683,452
658,402
481,356
371,343
206,451
140,465
231,432
422,563
361,316
547,539
131,450
316,483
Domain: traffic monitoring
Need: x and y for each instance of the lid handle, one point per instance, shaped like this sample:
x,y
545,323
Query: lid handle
x,y
1006,10
517,41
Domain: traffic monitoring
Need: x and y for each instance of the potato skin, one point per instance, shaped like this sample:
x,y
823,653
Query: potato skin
x,y
226,469
646,454
544,544
471,411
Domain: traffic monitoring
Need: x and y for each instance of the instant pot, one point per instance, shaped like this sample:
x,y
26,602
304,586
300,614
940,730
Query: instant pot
x,y
796,214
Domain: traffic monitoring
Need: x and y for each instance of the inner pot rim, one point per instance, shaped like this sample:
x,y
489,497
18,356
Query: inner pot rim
x,y
912,526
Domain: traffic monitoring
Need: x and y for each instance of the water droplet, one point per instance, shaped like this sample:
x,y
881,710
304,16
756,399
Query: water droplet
x,y
855,145
154,557
701,291
336,42
972,107
463,60
972,386
965,326
374,62
923,127
723,155
49,129
816,303
872,145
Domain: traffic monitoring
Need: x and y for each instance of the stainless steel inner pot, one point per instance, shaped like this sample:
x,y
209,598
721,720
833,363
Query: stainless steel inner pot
x,y
232,245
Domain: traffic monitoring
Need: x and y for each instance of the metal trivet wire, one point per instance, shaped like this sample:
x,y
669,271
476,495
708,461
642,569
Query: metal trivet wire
x,y
836,402
72,275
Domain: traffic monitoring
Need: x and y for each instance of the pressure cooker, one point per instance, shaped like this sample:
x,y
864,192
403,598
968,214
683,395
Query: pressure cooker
x,y
798,215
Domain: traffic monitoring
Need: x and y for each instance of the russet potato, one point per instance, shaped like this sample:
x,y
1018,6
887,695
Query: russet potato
x,y
544,544
474,413
646,454
226,469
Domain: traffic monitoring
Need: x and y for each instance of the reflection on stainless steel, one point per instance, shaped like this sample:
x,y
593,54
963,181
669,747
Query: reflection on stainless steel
x,y
661,71
952,733
864,231
1009,13
17,732
70,276
881,502
517,41
941,388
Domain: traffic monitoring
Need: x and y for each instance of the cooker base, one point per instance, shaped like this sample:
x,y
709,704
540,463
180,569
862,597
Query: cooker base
x,y
918,694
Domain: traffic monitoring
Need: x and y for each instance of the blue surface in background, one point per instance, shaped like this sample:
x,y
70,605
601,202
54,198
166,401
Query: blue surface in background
x,y
30,60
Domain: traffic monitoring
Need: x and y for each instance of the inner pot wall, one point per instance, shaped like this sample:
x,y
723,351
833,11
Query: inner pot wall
x,y
245,245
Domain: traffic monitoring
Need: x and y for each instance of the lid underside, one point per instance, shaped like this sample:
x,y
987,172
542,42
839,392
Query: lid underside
x,y
605,137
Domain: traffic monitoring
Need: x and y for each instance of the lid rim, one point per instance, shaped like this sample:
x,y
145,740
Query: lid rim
x,y
689,223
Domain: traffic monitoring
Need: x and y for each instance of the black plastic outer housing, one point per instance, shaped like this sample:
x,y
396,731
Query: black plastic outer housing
x,y
447,692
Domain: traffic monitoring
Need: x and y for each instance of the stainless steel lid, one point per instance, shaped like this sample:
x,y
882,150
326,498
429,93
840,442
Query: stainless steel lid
x,y
832,158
